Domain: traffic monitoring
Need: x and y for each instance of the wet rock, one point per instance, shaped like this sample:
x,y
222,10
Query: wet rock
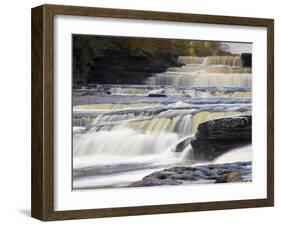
x,y
215,137
212,173
230,177
156,95
246,59
183,144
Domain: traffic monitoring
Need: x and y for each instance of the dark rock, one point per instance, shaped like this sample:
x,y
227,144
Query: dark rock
x,y
156,95
236,127
246,59
215,137
213,173
123,66
183,144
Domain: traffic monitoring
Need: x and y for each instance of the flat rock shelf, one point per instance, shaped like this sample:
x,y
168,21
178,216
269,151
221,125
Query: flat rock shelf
x,y
207,174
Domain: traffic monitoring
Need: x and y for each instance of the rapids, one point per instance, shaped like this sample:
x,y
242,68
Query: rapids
x,y
124,132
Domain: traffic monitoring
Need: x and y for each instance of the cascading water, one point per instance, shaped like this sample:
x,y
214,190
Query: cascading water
x,y
209,71
82,121
234,61
201,78
141,128
122,142
236,155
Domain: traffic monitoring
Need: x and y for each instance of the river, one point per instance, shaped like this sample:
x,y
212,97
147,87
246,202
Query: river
x,y
122,133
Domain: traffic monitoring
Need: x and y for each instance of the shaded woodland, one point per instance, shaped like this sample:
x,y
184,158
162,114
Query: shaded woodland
x,y
127,60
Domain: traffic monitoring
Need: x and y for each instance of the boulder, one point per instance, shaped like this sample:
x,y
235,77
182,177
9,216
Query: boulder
x,y
216,137
183,144
246,59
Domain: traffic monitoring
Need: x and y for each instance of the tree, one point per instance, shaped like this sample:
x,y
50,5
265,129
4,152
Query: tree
x,y
92,52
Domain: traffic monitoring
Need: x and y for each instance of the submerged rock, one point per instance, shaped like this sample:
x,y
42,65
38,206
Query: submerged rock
x,y
230,177
212,173
215,137
156,95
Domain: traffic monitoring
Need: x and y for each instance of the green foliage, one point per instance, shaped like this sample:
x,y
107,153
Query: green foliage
x,y
206,48
85,50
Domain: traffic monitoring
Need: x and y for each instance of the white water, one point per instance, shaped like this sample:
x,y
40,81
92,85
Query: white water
x,y
123,137
201,78
236,155
141,137
234,61
220,71
226,69
182,120
122,142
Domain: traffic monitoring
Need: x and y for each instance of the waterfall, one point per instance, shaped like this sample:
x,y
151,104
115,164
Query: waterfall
x,y
151,125
122,142
236,155
201,79
179,124
211,69
204,116
171,117
234,61
186,152
82,121
217,71
141,137
122,129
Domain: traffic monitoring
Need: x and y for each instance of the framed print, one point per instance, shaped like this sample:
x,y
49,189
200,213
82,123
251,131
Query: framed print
x,y
141,112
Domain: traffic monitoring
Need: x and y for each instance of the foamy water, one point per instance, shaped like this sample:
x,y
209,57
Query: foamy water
x,y
122,137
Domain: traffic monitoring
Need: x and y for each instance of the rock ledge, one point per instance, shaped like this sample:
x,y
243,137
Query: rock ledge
x,y
207,174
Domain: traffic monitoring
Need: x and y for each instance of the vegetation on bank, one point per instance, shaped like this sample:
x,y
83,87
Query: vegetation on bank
x,y
106,59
